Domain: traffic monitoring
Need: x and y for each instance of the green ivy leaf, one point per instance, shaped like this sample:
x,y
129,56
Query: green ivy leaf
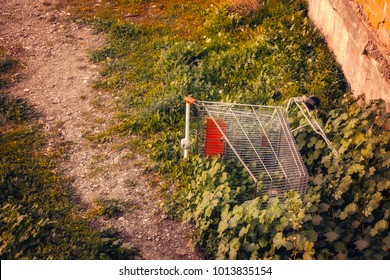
x,y
234,245
356,168
308,250
373,203
223,248
312,142
386,163
340,248
316,220
324,207
263,243
307,256
300,241
386,243
371,171
289,245
251,247
244,231
319,180
283,222
320,144
341,256
238,210
383,185
311,235
331,236
226,214
361,244
222,226
349,210
336,123
273,209
279,240
367,151
223,178
345,183
380,226
233,222
359,139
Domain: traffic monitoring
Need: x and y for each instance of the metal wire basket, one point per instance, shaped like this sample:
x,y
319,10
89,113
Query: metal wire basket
x,y
259,137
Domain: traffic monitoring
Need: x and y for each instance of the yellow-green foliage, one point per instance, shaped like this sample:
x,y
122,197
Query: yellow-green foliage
x,y
262,57
38,217
344,215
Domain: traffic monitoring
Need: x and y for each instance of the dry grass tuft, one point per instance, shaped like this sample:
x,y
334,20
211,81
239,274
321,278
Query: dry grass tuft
x,y
244,7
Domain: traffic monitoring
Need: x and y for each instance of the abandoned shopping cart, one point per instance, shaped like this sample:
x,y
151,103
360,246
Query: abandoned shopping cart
x,y
259,137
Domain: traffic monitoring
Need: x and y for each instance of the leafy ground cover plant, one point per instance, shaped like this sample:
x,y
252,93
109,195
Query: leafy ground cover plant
x,y
344,214
263,57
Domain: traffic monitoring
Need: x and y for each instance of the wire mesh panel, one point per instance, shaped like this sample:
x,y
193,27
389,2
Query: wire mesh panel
x,y
257,136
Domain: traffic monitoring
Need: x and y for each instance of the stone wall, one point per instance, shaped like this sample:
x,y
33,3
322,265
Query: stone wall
x,y
362,53
377,13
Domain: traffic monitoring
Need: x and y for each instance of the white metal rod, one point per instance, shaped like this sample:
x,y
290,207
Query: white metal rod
x,y
292,147
187,130
269,142
232,147
253,147
314,124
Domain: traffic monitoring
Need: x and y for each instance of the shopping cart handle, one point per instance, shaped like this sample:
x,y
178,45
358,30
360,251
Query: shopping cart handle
x,y
190,100
311,102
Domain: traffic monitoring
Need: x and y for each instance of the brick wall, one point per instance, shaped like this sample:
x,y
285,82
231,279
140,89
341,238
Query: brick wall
x,y
377,13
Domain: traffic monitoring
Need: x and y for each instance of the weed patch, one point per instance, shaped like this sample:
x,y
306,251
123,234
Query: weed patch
x,y
38,216
264,56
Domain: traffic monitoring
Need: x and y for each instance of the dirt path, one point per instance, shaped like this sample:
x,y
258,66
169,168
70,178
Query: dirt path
x,y
56,77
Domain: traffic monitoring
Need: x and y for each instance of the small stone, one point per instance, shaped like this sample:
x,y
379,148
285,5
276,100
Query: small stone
x,y
26,90
46,3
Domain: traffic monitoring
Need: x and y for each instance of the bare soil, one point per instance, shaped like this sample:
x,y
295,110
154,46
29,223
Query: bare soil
x,y
56,77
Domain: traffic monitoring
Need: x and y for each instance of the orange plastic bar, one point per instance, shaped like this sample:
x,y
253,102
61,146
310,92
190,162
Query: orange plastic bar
x,y
190,100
